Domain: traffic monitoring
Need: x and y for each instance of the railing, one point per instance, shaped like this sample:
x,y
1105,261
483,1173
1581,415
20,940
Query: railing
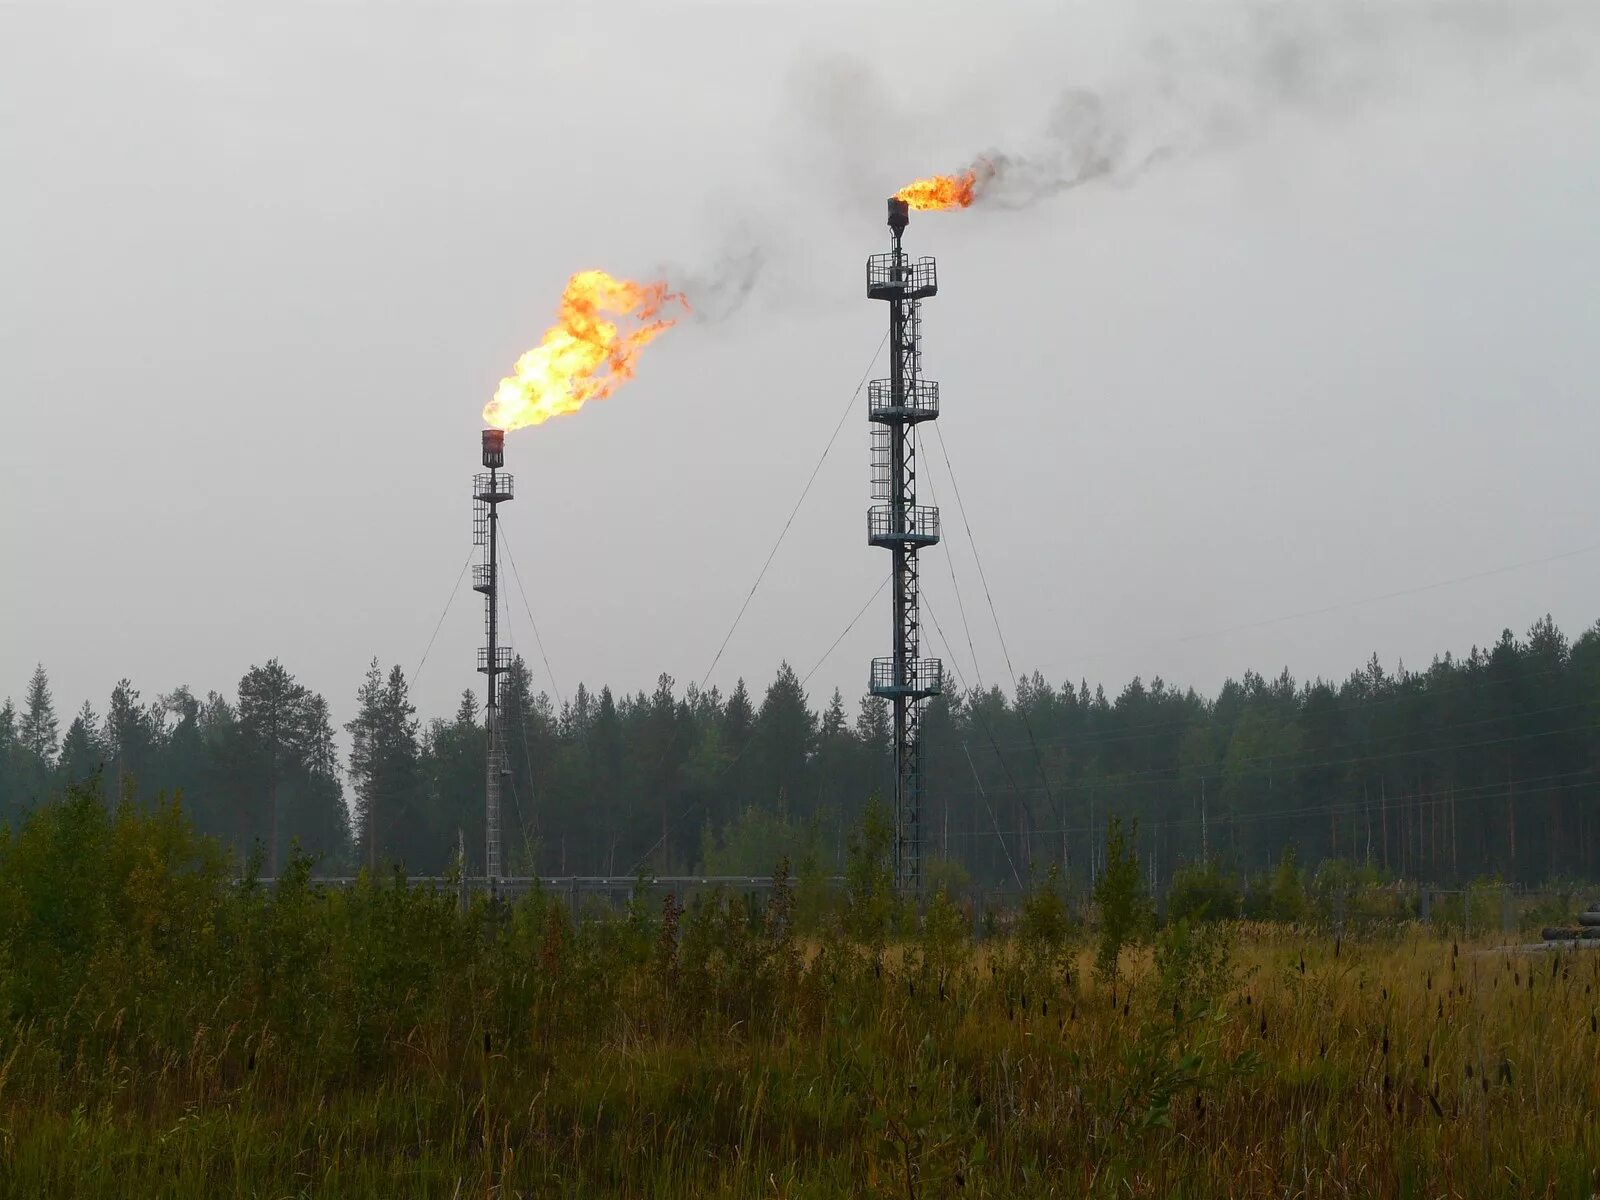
x,y
887,525
924,677
502,656
482,577
920,403
493,485
913,277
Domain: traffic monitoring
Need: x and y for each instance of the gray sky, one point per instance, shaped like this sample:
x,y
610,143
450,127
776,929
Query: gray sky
x,y
1324,329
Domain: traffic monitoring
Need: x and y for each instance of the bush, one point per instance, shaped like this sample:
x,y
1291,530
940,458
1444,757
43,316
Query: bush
x,y
1044,918
1204,892
1194,963
1280,896
1126,914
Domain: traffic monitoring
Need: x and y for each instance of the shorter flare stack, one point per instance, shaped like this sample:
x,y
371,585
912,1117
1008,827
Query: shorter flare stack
x,y
490,489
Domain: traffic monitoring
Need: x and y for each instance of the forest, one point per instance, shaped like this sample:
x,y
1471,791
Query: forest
x,y
1483,764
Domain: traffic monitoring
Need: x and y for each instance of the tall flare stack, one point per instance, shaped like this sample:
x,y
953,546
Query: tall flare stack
x,y
490,489
895,407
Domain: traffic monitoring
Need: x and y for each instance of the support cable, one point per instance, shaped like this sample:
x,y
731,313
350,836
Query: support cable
x,y
1022,709
804,492
440,624
538,640
950,561
756,725
829,651
988,734
522,729
985,795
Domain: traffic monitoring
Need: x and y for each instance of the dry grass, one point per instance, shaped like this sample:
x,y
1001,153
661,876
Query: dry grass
x,y
170,1036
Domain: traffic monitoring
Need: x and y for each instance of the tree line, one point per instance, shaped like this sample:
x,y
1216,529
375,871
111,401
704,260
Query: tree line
x,y
1484,764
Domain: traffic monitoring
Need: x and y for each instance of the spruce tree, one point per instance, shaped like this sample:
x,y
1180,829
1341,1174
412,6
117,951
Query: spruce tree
x,y
37,728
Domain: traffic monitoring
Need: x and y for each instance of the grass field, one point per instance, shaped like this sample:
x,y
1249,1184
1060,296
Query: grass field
x,y
170,1034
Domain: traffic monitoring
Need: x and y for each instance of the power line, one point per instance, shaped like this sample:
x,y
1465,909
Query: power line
x,y
1410,591
1164,775
1361,708
804,492
1434,797
1355,602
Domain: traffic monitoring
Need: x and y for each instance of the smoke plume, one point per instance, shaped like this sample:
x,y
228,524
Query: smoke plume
x,y
1216,76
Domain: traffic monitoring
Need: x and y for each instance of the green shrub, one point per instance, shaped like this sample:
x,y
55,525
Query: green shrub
x,y
1126,913
1204,892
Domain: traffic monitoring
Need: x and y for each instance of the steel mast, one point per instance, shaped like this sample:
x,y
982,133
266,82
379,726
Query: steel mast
x,y
490,489
895,406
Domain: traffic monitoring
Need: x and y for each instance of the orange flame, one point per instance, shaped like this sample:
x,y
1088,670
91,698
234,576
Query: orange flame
x,y
587,354
948,191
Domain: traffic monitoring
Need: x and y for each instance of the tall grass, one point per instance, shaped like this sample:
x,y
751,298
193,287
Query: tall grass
x,y
169,1033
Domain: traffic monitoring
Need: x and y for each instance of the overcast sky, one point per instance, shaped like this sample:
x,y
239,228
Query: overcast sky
x,y
1321,327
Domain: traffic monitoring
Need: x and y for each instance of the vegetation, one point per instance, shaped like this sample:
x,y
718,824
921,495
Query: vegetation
x,y
168,1032
1484,766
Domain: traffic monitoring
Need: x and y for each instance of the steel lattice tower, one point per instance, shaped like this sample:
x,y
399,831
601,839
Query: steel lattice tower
x,y
896,406
490,489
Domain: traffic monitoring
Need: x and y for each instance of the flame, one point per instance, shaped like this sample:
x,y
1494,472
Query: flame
x,y
587,354
948,191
